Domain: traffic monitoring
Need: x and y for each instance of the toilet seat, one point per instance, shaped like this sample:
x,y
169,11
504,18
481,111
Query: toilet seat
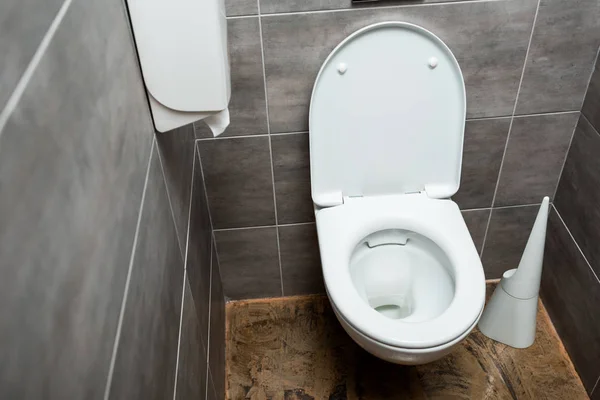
x,y
342,227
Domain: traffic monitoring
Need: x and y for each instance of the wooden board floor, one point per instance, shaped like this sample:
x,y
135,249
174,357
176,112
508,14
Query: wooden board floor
x,y
294,348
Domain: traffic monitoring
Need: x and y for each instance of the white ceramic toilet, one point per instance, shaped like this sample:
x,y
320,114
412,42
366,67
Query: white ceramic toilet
x,y
387,118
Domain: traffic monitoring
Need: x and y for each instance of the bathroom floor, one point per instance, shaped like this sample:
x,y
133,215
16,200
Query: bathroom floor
x,y
293,348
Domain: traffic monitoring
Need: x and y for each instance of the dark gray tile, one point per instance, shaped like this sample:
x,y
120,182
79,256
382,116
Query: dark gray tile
x,y
177,156
482,155
506,239
199,250
239,181
489,40
561,57
147,354
191,375
300,260
216,362
249,262
282,6
241,7
291,168
578,194
571,294
73,160
247,106
23,25
534,157
591,105
214,394
596,393
477,221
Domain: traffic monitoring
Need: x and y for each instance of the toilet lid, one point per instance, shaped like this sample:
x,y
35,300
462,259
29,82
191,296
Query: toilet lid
x,y
387,116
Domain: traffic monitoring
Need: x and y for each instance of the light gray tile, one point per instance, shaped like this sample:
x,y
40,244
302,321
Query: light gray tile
x,y
291,167
73,160
247,107
23,25
506,238
147,353
238,181
199,250
191,375
477,221
591,105
534,157
571,294
241,7
177,156
282,6
489,40
482,155
578,194
561,57
216,362
300,260
249,263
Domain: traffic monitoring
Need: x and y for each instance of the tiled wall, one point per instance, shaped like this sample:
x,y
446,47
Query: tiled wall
x,y
94,215
570,284
526,65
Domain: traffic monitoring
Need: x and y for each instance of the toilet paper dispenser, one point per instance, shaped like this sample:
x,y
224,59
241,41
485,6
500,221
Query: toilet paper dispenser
x,y
182,48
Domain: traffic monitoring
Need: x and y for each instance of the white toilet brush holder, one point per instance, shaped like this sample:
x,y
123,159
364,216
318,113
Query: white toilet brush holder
x,y
510,315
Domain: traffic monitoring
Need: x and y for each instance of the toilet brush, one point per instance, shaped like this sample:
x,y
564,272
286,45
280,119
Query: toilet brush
x,y
510,315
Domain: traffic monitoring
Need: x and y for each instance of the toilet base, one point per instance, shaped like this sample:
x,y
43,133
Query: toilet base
x,y
398,355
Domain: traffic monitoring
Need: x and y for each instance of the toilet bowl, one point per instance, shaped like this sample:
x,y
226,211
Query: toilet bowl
x,y
386,134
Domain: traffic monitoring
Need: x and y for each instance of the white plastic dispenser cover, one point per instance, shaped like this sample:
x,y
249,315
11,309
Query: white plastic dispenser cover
x,y
182,47
387,116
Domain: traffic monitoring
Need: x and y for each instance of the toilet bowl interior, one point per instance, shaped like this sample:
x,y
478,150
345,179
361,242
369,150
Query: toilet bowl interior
x,y
402,275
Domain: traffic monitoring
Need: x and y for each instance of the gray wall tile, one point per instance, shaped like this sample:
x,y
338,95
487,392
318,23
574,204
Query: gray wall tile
x,y
216,362
561,57
199,249
482,155
247,107
591,105
73,159
300,260
214,394
578,194
23,25
535,154
241,7
571,294
249,262
291,168
238,181
191,375
506,239
282,6
176,149
477,221
147,353
489,40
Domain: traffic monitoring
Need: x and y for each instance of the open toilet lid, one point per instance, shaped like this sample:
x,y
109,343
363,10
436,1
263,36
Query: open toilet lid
x,y
387,116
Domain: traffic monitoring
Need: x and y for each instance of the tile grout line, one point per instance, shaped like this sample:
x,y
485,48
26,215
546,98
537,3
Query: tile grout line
x,y
537,9
19,89
595,386
396,6
179,336
128,280
241,228
576,244
187,238
209,316
264,71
